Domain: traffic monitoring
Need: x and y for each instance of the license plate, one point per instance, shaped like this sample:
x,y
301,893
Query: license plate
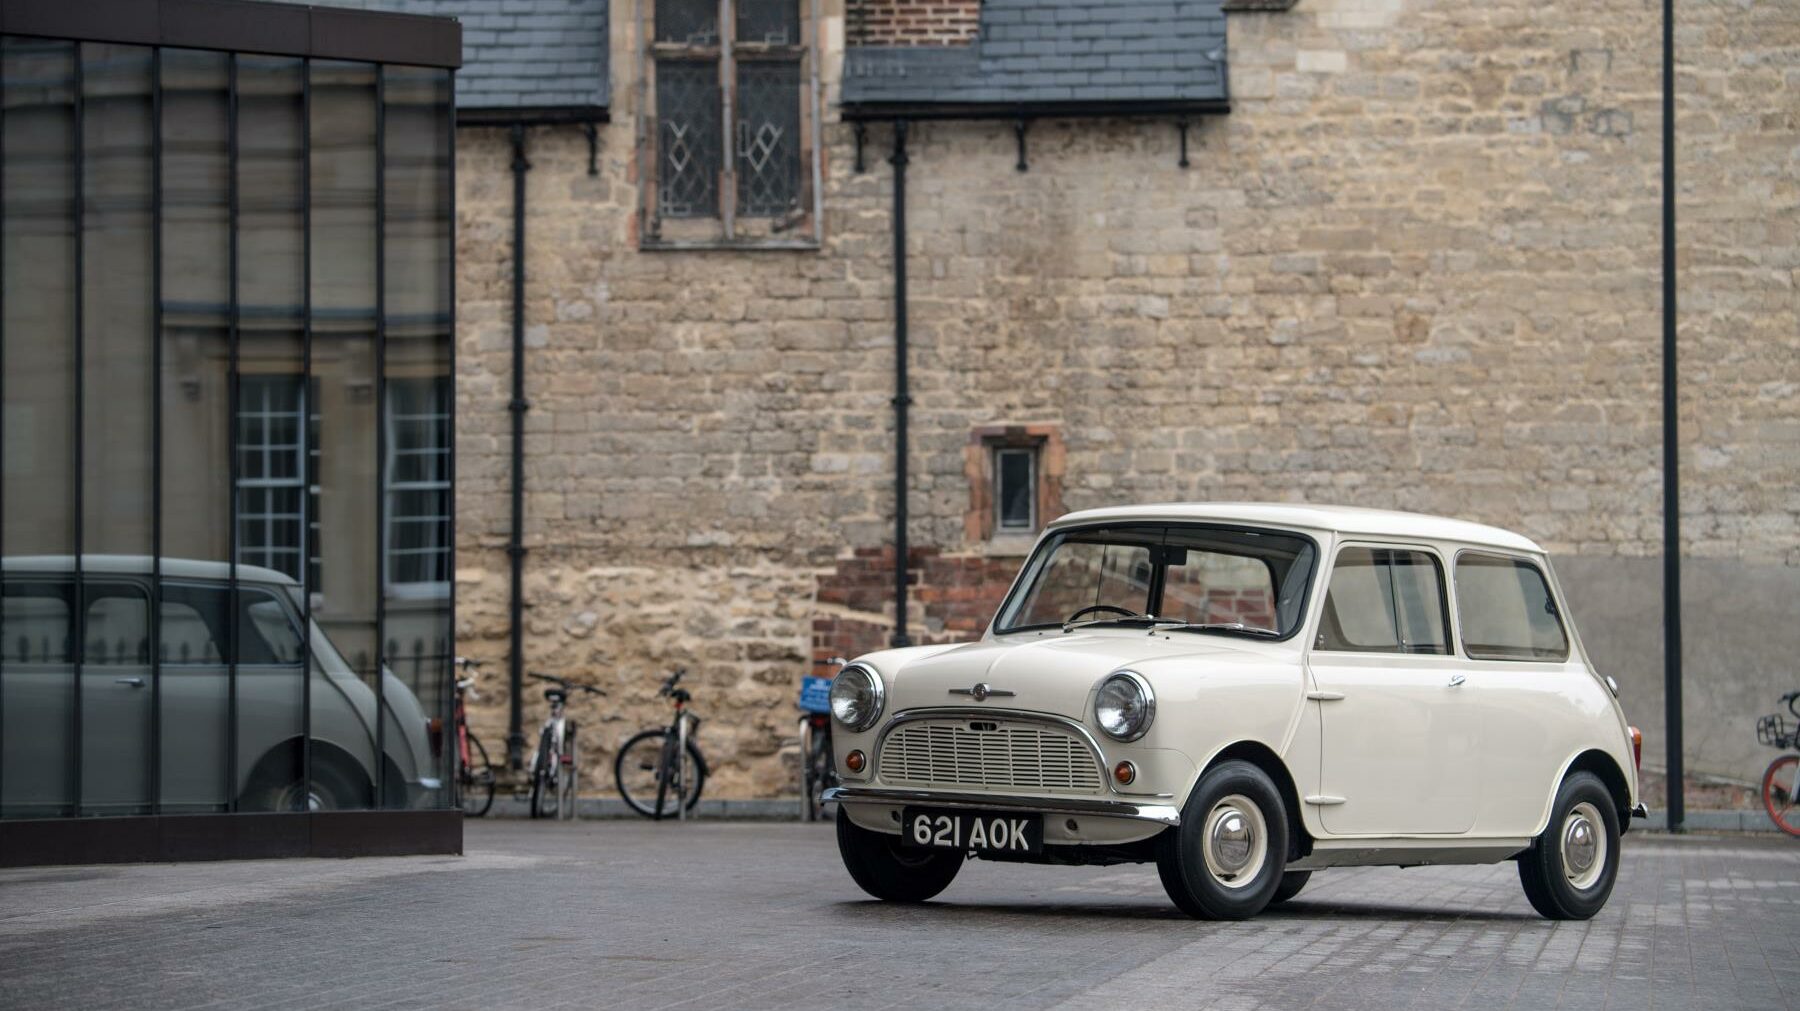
x,y
983,831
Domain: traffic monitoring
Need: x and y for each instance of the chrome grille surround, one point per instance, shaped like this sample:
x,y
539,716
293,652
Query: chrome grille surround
x,y
1021,753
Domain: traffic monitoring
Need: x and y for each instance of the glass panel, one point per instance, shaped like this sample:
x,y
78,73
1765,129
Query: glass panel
x,y
416,476
689,148
690,22
117,453
1016,490
768,138
272,419
38,391
1081,574
196,424
771,22
1213,586
343,353
1385,601
1507,611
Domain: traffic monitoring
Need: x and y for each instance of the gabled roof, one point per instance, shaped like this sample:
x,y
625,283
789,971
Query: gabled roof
x,y
1064,54
523,56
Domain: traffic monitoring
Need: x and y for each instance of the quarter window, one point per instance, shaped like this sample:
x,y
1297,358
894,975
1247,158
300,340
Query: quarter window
x,y
1385,600
1507,611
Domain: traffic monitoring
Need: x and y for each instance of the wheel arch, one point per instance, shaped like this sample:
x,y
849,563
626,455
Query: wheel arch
x,y
284,757
1605,767
1264,757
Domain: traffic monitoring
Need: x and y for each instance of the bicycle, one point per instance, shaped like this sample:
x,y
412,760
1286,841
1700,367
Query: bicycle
x,y
657,761
556,768
1781,780
475,776
816,770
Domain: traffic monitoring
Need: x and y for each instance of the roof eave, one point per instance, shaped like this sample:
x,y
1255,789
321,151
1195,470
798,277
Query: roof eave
x,y
1111,108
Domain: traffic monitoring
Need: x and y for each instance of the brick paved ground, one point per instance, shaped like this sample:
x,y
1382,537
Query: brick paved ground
x,y
635,915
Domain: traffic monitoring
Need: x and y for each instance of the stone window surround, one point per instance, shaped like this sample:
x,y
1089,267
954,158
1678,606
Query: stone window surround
x,y
978,468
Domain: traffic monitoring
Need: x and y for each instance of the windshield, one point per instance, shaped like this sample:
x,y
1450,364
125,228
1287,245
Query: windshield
x,y
1208,578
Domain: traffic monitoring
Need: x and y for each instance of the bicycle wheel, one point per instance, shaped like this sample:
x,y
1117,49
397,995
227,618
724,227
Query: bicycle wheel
x,y
808,809
824,775
544,779
1778,794
645,777
476,781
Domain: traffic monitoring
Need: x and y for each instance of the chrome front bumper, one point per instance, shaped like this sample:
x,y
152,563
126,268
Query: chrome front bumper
x,y
1162,814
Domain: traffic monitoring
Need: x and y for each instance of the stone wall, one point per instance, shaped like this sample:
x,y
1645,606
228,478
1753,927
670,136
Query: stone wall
x,y
1416,266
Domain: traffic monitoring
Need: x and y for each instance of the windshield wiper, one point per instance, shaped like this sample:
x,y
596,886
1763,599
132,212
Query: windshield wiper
x,y
1225,626
1121,619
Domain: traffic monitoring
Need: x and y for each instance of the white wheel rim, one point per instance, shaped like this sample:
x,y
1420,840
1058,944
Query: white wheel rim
x,y
1584,846
1235,841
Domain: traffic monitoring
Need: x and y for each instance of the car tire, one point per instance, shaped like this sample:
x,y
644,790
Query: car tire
x,y
333,788
1239,807
884,868
1569,871
1291,883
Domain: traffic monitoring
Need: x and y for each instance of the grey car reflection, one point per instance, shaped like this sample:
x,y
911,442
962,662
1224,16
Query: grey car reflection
x,y
119,695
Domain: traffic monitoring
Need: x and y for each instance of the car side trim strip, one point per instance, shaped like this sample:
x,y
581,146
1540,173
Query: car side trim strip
x,y
1162,814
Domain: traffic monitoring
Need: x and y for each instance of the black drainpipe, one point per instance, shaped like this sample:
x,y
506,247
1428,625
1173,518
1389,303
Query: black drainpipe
x,y
515,545
902,392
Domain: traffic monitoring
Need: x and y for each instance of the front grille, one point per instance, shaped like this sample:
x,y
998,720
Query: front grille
x,y
1010,755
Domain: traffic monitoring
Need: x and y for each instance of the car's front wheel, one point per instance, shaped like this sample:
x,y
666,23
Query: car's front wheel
x,y
888,870
1569,870
1225,860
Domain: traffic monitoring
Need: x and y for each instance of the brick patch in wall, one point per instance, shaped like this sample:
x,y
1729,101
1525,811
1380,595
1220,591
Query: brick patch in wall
x,y
913,22
950,598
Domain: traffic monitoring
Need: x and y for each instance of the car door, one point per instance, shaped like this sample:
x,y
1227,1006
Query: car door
x,y
1400,729
1535,690
115,697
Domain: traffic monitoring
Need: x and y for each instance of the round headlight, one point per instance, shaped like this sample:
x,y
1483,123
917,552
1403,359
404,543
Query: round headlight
x,y
1125,706
856,697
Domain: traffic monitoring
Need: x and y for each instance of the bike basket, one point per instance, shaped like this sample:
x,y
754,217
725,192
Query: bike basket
x,y
1773,730
815,694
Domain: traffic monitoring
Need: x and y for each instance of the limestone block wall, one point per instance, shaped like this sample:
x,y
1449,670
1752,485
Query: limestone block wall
x,y
1417,266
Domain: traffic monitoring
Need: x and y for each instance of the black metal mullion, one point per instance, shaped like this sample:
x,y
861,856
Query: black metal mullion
x,y
156,434
232,395
447,670
2,416
381,447
80,511
307,476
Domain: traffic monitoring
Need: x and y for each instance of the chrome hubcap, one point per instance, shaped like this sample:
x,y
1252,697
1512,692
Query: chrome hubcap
x,y
1583,846
1236,841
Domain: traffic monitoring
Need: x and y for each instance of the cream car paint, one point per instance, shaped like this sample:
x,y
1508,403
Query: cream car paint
x,y
1391,762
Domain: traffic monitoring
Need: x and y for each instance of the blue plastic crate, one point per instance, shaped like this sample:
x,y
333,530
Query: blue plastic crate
x,y
815,694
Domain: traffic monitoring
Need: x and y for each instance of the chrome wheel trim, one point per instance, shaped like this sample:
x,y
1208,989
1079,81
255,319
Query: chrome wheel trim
x,y
1584,846
1234,841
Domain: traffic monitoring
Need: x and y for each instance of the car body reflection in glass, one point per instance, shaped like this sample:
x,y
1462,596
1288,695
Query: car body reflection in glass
x,y
119,685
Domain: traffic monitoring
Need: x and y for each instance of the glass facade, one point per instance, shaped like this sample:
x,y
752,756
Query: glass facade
x,y
226,442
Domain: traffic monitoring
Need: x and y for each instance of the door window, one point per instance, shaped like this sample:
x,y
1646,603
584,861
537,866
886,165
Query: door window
x,y
1385,600
1507,611
196,626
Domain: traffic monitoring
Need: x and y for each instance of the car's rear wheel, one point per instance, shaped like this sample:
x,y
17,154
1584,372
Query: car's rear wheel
x,y
1226,859
888,870
1569,870
1291,883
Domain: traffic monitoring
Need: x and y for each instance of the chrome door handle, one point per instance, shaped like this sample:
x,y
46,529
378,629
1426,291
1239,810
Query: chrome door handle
x,y
133,682
1456,680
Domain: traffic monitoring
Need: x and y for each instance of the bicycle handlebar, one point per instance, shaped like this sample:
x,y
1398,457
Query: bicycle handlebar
x,y
468,662
1791,698
566,684
673,679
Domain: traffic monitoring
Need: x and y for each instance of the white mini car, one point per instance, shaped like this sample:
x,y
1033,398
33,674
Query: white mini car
x,y
1244,694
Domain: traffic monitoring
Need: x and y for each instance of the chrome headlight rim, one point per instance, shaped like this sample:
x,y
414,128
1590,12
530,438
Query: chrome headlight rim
x,y
1143,687
877,692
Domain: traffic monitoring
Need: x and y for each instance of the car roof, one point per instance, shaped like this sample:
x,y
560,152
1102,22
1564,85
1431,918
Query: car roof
x,y
1349,520
179,568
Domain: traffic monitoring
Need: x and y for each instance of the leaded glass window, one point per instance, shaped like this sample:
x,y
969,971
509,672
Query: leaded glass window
x,y
729,152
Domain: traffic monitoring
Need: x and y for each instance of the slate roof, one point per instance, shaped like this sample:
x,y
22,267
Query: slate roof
x,y
521,54
1063,53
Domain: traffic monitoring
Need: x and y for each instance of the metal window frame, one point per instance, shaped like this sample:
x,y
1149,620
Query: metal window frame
x,y
268,548
391,488
1030,453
